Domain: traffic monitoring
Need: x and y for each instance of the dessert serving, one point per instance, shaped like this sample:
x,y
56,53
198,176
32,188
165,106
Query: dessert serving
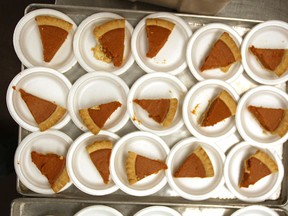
x,y
100,152
53,167
95,117
256,167
160,110
222,55
45,113
274,60
139,167
157,31
197,164
221,107
110,41
53,32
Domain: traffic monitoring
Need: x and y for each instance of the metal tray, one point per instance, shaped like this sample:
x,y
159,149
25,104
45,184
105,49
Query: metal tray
x,y
163,197
67,207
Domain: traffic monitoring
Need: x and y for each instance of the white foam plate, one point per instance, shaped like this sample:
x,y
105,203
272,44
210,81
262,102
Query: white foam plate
x,y
98,88
157,211
196,102
195,188
272,35
98,210
265,96
156,86
28,46
50,141
84,41
171,58
145,144
199,46
262,189
81,169
42,82
255,210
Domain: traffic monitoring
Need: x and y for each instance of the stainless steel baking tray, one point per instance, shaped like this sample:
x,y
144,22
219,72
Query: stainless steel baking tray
x,y
67,207
163,197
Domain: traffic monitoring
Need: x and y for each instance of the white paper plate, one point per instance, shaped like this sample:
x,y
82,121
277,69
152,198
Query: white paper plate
x,y
265,96
145,144
195,188
171,58
156,86
42,82
255,210
97,88
50,141
262,189
199,46
271,34
196,102
28,46
84,41
157,211
98,210
81,169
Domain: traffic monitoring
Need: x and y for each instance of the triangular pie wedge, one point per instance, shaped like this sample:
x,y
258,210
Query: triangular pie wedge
x,y
100,152
221,107
160,110
256,167
139,167
272,120
274,60
157,31
53,167
222,55
110,41
197,164
95,117
45,113
53,32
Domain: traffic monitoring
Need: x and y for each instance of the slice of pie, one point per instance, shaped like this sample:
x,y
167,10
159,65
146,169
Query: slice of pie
x,y
221,107
53,167
100,152
95,117
223,54
197,164
272,120
160,110
110,41
139,167
45,113
158,31
257,167
53,32
275,60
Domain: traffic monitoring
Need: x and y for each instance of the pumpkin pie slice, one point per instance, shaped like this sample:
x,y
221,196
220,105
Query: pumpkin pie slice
x,y
45,113
274,60
257,167
53,167
53,32
95,117
223,54
272,120
139,167
160,110
221,107
100,152
110,41
157,31
197,164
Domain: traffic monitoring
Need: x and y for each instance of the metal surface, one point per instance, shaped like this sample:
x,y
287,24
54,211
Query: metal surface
x,y
65,207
